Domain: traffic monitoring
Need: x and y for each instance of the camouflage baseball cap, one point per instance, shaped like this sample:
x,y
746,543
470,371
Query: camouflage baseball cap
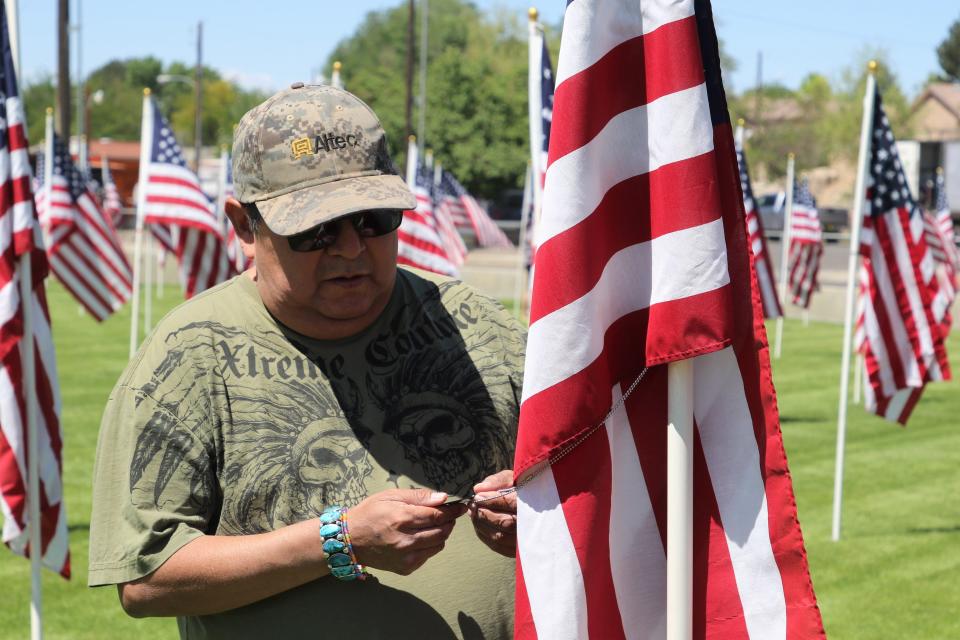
x,y
312,153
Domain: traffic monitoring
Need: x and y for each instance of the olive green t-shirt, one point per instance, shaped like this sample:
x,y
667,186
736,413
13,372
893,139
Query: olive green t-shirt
x,y
228,423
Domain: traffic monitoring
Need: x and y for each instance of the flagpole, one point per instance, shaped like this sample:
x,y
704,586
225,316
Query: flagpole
x,y
680,500
335,76
422,111
522,240
785,253
857,378
25,284
149,266
858,206
412,162
146,124
535,107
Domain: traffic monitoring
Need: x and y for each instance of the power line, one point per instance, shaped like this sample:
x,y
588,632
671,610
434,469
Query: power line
x,y
819,29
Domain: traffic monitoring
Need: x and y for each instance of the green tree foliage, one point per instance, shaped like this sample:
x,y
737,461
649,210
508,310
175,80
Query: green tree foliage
x,y
948,53
123,82
476,118
820,121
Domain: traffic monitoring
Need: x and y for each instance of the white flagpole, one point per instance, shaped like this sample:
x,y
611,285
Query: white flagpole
x,y
335,76
25,270
412,162
680,500
857,378
858,206
785,253
521,280
146,137
161,259
149,267
535,107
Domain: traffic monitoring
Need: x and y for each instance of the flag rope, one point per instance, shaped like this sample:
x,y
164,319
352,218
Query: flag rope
x,y
565,450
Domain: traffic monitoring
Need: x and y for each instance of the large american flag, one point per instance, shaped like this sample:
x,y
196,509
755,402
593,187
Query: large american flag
x,y
454,201
418,240
179,213
81,241
758,244
111,197
19,237
806,245
643,260
900,336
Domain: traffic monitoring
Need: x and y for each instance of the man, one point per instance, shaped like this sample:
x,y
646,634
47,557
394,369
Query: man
x,y
322,377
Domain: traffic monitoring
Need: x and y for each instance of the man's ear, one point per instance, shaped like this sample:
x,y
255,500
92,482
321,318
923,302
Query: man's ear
x,y
241,224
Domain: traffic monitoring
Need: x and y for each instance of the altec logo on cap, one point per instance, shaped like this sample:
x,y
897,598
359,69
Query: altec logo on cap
x,y
313,153
327,142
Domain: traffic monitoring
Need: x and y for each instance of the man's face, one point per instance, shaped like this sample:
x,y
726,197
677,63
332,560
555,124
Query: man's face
x,y
329,293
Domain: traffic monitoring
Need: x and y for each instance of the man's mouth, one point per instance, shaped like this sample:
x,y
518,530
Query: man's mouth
x,y
350,280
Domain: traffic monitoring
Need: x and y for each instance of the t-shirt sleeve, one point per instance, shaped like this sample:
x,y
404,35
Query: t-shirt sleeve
x,y
154,487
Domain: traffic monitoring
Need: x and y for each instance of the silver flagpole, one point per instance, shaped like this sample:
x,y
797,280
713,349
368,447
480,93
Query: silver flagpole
x,y
422,115
146,137
680,500
785,253
858,206
522,241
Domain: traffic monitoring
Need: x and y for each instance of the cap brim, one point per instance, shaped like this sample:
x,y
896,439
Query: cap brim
x,y
305,208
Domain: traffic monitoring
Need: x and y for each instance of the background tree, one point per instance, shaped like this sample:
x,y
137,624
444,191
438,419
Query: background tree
x,y
476,120
122,83
948,53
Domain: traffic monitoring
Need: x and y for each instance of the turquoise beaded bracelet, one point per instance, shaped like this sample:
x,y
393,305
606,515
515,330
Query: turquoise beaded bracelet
x,y
336,545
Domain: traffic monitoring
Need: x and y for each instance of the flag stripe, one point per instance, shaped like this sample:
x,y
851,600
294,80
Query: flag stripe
x,y
673,128
666,60
583,46
624,291
622,219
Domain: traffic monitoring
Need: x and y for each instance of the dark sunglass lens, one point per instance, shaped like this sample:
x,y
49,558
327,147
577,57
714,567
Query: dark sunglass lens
x,y
377,223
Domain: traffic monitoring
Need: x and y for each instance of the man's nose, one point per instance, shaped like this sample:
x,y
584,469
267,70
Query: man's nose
x,y
348,244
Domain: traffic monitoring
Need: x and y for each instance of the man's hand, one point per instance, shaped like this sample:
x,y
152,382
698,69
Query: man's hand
x,y
495,521
398,530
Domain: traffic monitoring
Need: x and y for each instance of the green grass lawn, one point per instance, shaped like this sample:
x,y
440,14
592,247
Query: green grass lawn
x,y
894,574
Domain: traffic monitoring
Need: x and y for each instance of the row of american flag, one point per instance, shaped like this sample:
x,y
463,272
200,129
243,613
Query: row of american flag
x,y
908,278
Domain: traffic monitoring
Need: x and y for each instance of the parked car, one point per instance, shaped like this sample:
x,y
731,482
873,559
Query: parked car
x,y
507,206
771,207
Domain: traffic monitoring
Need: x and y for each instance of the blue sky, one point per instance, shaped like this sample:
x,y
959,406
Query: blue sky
x,y
269,45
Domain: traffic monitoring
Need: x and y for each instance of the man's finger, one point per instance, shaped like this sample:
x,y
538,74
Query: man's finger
x,y
492,521
496,501
418,517
500,480
423,497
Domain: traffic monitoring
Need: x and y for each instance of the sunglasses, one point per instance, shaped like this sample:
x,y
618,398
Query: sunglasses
x,y
368,224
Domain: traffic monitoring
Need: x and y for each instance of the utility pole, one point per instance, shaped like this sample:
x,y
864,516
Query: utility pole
x,y
410,16
198,100
422,121
63,69
81,95
758,96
